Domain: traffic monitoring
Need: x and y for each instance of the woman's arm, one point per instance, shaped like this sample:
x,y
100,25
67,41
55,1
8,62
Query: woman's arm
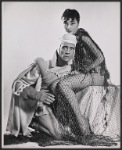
x,y
63,69
95,50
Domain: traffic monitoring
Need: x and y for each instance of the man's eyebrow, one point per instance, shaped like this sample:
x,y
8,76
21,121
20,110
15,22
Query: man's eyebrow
x,y
64,46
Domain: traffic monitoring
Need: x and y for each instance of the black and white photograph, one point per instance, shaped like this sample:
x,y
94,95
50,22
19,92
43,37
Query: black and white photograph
x,y
61,74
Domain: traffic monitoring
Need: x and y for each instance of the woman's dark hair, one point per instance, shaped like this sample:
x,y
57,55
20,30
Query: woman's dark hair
x,y
70,13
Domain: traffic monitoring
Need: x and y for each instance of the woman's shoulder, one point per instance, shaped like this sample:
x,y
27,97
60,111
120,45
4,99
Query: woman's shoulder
x,y
81,32
81,29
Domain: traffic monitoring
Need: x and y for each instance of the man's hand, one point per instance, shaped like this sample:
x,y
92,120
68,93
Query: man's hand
x,y
42,96
45,97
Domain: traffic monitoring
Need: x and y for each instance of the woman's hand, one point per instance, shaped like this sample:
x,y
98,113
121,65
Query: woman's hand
x,y
61,69
75,72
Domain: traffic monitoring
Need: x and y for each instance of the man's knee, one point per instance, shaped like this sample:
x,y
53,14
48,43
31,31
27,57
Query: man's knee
x,y
49,125
40,60
54,134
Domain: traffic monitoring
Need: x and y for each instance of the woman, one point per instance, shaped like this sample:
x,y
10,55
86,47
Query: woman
x,y
89,69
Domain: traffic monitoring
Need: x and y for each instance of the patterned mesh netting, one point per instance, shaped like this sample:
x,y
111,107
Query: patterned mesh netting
x,y
67,112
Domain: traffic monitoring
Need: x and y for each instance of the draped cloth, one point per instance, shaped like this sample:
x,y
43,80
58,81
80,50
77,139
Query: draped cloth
x,y
21,111
102,109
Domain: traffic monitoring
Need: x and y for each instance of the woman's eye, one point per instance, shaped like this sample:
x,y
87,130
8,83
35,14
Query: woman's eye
x,y
66,24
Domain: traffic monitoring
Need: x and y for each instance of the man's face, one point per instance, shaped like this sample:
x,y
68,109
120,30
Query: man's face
x,y
71,26
67,51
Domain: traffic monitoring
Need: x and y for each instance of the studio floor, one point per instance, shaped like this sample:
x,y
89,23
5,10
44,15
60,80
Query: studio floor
x,y
10,141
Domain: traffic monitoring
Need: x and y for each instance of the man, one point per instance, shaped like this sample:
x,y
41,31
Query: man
x,y
30,95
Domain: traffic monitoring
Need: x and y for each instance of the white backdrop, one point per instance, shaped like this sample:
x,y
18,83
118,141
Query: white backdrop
x,y
32,29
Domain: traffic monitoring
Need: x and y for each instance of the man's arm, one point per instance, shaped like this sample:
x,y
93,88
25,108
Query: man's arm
x,y
42,96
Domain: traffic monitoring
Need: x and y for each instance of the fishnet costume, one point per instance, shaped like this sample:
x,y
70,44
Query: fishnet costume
x,y
68,114
66,98
67,89
86,54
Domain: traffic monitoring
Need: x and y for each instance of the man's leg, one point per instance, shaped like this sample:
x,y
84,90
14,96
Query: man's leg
x,y
48,124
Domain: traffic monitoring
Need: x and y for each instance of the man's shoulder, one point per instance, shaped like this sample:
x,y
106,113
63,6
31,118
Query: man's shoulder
x,y
53,62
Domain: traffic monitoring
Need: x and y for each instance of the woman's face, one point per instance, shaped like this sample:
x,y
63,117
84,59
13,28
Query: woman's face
x,y
71,26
